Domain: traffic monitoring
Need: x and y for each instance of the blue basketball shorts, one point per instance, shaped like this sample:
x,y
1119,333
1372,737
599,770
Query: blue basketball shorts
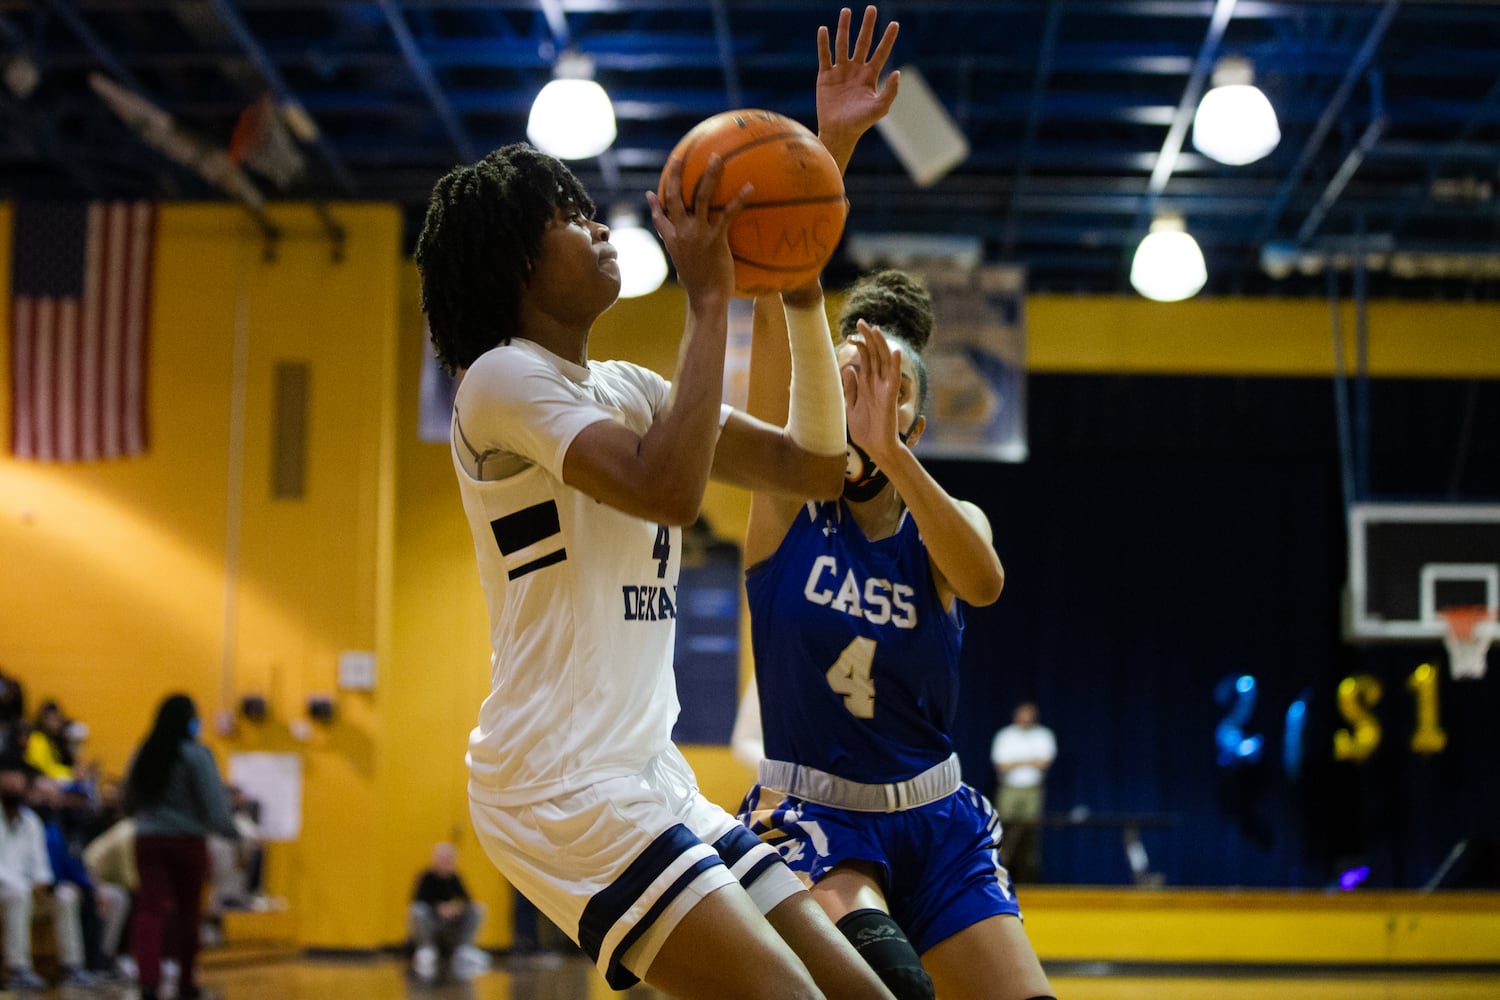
x,y
940,863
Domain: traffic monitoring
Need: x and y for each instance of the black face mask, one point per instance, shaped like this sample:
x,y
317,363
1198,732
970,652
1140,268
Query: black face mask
x,y
10,800
863,479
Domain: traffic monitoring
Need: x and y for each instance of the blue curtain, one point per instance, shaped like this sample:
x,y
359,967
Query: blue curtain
x,y
1168,532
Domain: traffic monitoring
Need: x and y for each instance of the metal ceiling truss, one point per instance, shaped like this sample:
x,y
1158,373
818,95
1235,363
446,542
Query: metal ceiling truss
x,y
1078,114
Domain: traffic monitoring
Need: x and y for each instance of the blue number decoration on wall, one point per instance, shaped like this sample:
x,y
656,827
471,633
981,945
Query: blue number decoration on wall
x,y
1235,748
1291,745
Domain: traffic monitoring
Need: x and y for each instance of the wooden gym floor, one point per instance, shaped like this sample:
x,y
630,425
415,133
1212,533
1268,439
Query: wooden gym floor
x,y
385,978
1096,944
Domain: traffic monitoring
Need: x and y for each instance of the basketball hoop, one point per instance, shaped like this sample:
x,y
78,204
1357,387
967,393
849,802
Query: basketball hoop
x,y
1470,629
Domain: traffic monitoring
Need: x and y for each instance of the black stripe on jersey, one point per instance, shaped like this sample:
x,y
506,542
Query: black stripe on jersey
x,y
514,532
535,564
608,905
737,843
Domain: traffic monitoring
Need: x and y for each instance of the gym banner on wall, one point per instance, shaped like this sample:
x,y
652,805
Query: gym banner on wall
x,y
976,364
435,402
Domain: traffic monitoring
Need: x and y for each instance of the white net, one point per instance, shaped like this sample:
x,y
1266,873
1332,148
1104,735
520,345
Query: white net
x,y
1470,630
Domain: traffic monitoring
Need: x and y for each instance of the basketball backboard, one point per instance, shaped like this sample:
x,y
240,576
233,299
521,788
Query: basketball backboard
x,y
1409,560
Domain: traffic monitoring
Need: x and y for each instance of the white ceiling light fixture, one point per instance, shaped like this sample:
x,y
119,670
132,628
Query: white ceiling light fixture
x,y
572,117
643,266
1235,123
1168,265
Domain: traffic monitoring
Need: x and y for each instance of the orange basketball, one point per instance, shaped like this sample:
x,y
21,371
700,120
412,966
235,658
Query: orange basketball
x,y
793,221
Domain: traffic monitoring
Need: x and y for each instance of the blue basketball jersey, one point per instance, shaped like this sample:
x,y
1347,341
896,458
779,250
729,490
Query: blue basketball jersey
x,y
856,661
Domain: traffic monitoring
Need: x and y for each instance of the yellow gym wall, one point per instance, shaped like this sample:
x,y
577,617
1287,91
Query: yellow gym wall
x,y
113,574
114,580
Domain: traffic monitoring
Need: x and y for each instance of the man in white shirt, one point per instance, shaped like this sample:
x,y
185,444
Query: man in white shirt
x,y
1022,752
25,878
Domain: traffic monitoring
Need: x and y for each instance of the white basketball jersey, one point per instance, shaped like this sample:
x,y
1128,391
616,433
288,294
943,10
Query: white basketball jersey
x,y
582,598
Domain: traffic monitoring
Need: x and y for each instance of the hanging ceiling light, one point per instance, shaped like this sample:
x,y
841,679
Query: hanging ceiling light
x,y
572,118
1168,265
1235,123
643,267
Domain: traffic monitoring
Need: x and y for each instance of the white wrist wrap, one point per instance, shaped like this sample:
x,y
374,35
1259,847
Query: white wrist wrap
x,y
815,412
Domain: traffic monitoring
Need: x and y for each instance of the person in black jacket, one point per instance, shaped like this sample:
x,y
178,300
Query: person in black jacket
x,y
442,920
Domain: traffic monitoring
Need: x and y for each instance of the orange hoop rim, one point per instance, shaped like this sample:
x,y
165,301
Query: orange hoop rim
x,y
1463,618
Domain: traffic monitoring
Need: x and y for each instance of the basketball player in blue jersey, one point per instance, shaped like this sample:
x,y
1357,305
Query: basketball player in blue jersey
x,y
576,476
856,609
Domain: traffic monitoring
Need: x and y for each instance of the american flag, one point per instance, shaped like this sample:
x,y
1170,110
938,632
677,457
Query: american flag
x,y
81,296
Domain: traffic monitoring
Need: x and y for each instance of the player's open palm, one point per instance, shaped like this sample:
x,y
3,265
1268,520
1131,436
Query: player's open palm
x,y
697,235
850,96
872,393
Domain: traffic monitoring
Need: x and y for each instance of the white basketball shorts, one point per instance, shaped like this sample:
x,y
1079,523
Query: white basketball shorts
x,y
618,864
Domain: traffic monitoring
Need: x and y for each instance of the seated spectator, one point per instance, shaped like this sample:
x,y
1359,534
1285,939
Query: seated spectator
x,y
85,769
110,861
234,867
109,808
443,920
70,879
26,880
47,746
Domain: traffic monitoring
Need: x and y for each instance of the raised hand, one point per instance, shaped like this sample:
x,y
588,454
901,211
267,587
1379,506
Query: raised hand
x,y
698,238
872,393
850,94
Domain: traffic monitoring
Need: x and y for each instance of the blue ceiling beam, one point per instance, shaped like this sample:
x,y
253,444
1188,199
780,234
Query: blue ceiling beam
x,y
1045,53
1171,147
1331,113
1485,154
724,45
701,51
1450,152
428,81
557,23
95,45
647,103
1166,162
1341,178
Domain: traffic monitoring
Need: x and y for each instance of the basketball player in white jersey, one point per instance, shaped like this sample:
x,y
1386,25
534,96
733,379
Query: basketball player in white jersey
x,y
576,476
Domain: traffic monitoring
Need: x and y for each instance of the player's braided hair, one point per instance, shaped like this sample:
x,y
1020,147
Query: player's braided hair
x,y
480,242
898,303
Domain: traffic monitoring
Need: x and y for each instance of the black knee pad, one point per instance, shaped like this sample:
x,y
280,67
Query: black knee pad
x,y
881,942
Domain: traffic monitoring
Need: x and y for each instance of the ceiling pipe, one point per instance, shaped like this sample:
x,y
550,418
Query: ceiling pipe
x,y
428,81
95,44
1171,147
1182,120
562,40
1451,151
240,188
1046,52
724,38
1329,117
1341,178
48,143
557,22
158,130
42,131
307,130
